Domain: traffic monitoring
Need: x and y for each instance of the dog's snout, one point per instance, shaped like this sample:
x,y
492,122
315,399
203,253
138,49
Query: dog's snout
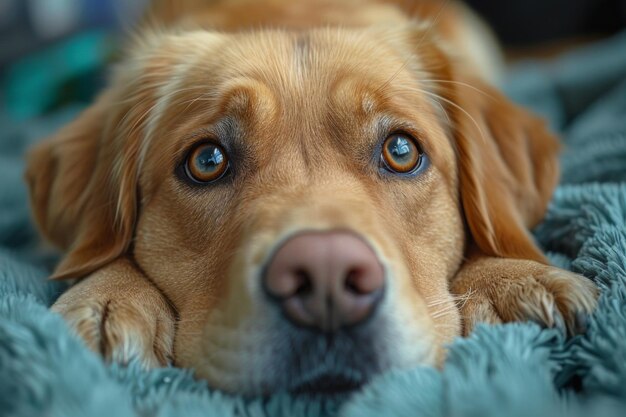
x,y
325,279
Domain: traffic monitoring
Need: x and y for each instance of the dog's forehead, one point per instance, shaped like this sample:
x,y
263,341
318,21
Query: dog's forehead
x,y
317,53
295,66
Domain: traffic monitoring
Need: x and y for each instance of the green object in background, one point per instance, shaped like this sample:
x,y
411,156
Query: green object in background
x,y
36,83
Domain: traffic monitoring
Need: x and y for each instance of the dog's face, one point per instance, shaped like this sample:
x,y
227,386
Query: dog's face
x,y
303,200
299,144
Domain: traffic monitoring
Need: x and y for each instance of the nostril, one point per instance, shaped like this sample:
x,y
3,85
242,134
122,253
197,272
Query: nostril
x,y
303,283
363,281
289,283
352,282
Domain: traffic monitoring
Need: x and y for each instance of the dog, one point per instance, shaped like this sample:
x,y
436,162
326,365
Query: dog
x,y
299,195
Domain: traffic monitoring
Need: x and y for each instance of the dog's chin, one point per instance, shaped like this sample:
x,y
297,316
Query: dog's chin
x,y
307,362
333,366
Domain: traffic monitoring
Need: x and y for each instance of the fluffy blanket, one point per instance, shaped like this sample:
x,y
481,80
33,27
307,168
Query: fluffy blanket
x,y
508,370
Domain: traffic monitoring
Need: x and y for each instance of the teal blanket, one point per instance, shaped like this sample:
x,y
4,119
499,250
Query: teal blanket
x,y
508,370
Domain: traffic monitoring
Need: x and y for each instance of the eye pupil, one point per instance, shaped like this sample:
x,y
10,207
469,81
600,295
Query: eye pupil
x,y
206,163
400,147
401,154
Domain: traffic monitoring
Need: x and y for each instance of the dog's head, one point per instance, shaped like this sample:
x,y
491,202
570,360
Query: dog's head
x,y
302,199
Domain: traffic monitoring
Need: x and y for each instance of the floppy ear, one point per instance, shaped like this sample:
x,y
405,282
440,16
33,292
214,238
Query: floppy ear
x,y
507,157
84,181
82,193
508,168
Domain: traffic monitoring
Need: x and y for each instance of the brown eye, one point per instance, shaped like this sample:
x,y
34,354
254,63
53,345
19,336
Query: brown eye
x,y
206,163
401,154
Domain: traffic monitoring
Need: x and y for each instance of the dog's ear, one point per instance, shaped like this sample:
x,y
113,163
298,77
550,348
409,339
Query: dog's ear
x,y
508,167
83,193
507,157
84,181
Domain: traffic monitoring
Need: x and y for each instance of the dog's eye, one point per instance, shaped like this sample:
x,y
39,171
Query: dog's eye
x,y
401,154
207,162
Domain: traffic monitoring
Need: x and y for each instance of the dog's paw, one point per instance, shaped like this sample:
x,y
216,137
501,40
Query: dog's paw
x,y
121,322
506,290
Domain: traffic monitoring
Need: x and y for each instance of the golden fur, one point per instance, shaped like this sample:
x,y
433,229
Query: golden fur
x,y
304,92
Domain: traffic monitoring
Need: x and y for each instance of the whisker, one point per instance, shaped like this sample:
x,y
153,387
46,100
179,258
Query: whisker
x,y
462,84
200,98
447,298
439,302
450,102
444,311
441,314
459,302
443,111
466,297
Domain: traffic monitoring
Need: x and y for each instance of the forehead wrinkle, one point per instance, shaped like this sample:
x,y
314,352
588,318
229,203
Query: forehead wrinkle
x,y
298,67
353,95
247,96
288,76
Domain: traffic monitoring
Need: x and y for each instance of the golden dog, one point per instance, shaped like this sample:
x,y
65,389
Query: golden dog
x,y
297,195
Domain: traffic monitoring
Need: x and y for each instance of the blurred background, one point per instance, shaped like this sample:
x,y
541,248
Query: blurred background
x,y
53,52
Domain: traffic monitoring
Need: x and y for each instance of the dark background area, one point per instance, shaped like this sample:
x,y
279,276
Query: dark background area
x,y
527,23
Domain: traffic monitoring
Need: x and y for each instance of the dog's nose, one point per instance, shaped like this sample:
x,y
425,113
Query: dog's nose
x,y
325,279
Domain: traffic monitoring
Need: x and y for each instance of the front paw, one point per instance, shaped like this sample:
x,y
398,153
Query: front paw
x,y
124,321
506,290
